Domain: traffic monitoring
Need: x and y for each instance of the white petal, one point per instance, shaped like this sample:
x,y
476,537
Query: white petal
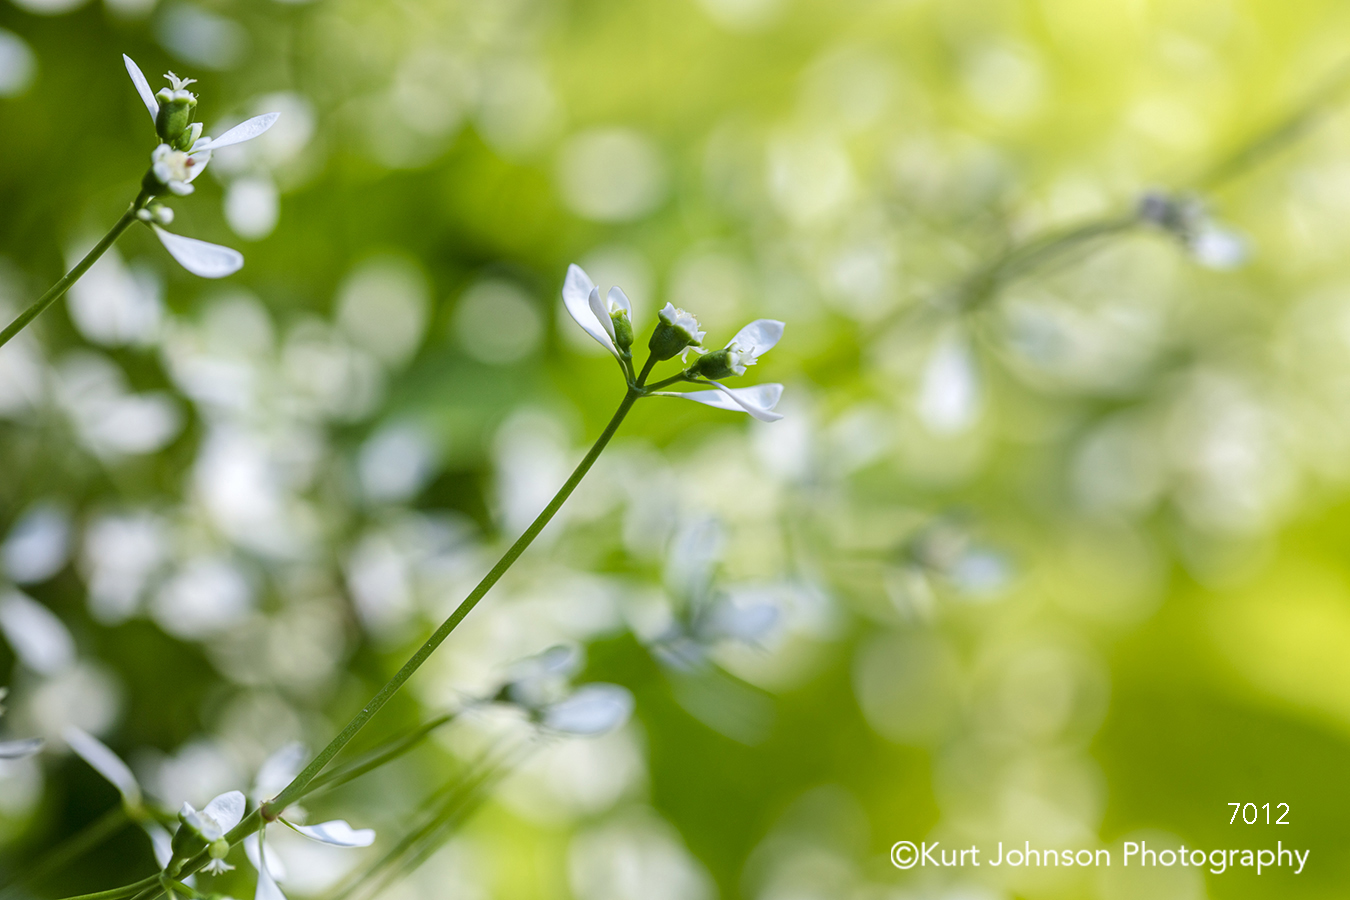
x,y
40,639
337,832
1218,248
20,749
105,762
601,313
267,885
199,257
245,131
199,160
759,336
161,842
253,850
227,810
748,622
949,390
618,299
758,400
577,298
593,709
142,87
279,770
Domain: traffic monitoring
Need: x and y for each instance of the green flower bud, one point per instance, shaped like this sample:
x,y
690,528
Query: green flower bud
x,y
623,332
176,108
713,366
676,330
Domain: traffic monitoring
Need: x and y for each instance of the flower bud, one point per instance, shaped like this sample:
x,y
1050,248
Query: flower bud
x,y
188,840
676,330
623,332
715,365
175,115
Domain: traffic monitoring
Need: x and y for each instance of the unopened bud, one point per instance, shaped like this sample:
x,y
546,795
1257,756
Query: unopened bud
x,y
675,331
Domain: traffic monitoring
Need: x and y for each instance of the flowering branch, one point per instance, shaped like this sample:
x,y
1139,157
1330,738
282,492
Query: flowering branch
x,y
174,164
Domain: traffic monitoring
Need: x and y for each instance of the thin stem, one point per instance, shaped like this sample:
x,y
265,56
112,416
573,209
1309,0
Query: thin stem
x,y
293,791
377,757
57,290
667,382
118,893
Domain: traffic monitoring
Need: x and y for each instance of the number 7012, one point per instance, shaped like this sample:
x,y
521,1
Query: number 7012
x,y
1255,810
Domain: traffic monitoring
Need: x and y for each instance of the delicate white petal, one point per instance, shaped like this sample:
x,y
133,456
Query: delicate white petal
x,y
279,770
253,850
337,832
20,749
619,300
267,885
593,709
105,762
39,638
161,842
227,810
577,298
748,622
759,336
1218,248
199,257
758,400
142,87
601,313
245,131
949,389
199,159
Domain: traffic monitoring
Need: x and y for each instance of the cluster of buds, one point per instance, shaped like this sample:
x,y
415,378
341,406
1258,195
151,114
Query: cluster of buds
x,y
677,333
182,155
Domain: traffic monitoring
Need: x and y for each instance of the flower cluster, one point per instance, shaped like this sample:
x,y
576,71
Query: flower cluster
x,y
677,333
540,687
183,155
207,828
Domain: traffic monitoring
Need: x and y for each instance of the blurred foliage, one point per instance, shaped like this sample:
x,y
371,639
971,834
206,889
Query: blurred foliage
x,y
1063,564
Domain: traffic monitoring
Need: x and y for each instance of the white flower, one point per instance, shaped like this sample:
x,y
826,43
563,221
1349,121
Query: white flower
x,y
757,400
752,342
245,131
176,169
677,318
582,299
217,819
275,773
110,766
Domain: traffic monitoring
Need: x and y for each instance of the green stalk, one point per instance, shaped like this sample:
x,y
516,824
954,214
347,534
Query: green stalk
x,y
57,290
126,890
272,809
385,753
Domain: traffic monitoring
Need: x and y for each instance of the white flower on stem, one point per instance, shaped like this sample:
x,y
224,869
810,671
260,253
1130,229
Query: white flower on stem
x,y
212,823
110,766
175,169
752,342
175,164
594,315
758,400
683,321
276,772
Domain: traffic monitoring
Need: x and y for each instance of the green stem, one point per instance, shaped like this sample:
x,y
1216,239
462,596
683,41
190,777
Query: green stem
x,y
57,290
377,757
272,809
125,890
